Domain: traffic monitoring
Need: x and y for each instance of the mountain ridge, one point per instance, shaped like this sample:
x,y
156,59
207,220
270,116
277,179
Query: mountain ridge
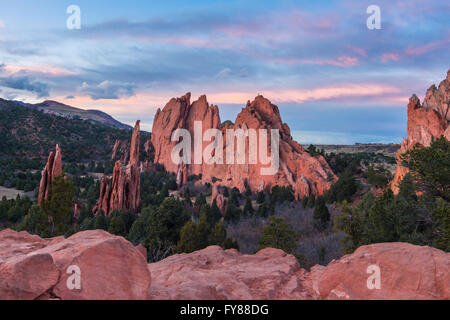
x,y
67,111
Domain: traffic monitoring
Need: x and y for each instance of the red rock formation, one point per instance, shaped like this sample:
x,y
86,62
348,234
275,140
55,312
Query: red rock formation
x,y
221,201
34,268
425,122
120,151
76,211
406,272
122,191
52,169
306,174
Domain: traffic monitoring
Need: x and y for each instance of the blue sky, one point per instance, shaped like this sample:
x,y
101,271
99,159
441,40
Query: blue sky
x,y
334,80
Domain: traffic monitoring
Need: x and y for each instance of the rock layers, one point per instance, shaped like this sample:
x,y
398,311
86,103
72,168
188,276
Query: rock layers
x,y
425,122
109,267
122,190
297,168
52,169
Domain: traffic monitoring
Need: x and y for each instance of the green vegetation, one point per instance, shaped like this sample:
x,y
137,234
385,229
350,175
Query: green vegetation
x,y
321,215
430,167
277,234
422,220
378,176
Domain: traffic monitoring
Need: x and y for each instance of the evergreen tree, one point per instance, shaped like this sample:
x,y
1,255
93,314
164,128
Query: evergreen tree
x,y
100,222
203,230
263,211
59,205
218,235
232,214
260,197
305,202
321,216
311,201
430,167
188,238
278,235
441,226
248,208
117,226
35,222
215,214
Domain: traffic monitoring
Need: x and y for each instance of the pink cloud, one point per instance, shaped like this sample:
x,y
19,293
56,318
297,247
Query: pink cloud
x,y
303,95
360,51
386,57
44,69
342,61
431,46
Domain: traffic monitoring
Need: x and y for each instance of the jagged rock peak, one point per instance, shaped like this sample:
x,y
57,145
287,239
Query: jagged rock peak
x,y
52,169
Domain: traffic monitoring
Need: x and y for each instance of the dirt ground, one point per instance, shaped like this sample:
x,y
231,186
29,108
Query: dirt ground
x,y
11,193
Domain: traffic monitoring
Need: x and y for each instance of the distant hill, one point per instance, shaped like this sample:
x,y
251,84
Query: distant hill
x,y
63,110
386,149
28,133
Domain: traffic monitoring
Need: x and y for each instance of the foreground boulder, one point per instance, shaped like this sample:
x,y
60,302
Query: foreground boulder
x,y
109,267
426,122
112,268
405,272
213,273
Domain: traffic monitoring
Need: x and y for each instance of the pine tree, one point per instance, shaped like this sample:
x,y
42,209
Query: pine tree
x,y
278,235
100,222
59,205
248,208
218,235
321,216
188,238
260,197
311,201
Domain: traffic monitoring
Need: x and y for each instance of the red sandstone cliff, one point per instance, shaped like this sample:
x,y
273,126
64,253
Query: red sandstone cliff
x,y
425,122
306,174
52,169
122,190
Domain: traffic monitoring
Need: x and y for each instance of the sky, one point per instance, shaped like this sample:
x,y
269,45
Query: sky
x,y
334,80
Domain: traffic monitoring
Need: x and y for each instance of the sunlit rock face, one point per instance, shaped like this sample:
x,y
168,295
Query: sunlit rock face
x,y
426,122
52,169
297,168
122,190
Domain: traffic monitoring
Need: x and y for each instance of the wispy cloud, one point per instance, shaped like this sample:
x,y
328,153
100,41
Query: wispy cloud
x,y
108,90
300,95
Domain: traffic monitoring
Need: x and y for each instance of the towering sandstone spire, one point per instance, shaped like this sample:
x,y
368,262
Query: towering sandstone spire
x,y
425,122
122,191
52,169
298,169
